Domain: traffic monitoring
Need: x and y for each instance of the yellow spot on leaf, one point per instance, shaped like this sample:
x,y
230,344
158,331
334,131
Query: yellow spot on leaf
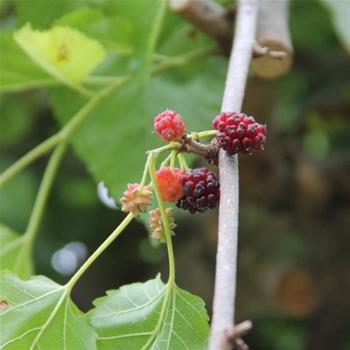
x,y
64,52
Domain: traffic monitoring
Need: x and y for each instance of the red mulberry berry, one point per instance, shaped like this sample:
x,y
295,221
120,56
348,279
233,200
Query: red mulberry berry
x,y
170,183
201,191
169,125
239,133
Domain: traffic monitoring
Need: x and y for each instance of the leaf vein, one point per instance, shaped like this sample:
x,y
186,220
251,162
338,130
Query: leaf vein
x,y
138,307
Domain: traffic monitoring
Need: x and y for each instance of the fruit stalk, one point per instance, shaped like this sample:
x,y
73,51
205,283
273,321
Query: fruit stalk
x,y
226,259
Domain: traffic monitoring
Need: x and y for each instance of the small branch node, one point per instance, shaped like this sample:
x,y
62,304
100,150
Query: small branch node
x,y
234,334
273,52
259,51
208,151
208,16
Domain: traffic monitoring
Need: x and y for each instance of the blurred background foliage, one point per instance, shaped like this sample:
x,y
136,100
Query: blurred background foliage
x,y
293,273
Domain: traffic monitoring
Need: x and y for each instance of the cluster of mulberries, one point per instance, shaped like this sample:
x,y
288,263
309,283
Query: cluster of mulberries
x,y
237,132
197,190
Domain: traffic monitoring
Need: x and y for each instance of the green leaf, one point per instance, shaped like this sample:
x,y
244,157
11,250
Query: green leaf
x,y
116,135
340,11
150,314
109,28
44,12
63,52
17,119
141,20
13,253
39,314
17,70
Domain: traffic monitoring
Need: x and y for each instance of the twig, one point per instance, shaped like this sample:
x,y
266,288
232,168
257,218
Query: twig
x,y
208,151
235,333
273,54
208,16
226,258
35,153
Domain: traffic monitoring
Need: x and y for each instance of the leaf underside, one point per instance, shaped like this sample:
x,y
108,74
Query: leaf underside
x,y
14,254
38,314
132,318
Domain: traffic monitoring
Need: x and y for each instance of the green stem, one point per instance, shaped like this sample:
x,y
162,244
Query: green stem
x,y
41,149
145,171
99,251
167,231
102,80
32,155
44,190
152,39
34,344
82,90
206,133
183,162
162,149
171,280
172,159
166,161
62,135
181,60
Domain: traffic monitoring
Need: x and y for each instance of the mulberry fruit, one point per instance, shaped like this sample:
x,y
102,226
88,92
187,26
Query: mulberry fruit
x,y
201,191
239,133
169,125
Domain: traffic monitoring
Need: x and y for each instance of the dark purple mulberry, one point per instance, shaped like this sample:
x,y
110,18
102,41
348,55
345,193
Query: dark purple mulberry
x,y
201,191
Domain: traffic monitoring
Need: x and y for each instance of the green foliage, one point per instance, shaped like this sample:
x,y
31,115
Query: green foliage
x,y
142,43
118,132
16,118
14,254
284,334
150,314
135,316
44,12
18,196
340,11
108,28
65,53
17,71
304,17
40,315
